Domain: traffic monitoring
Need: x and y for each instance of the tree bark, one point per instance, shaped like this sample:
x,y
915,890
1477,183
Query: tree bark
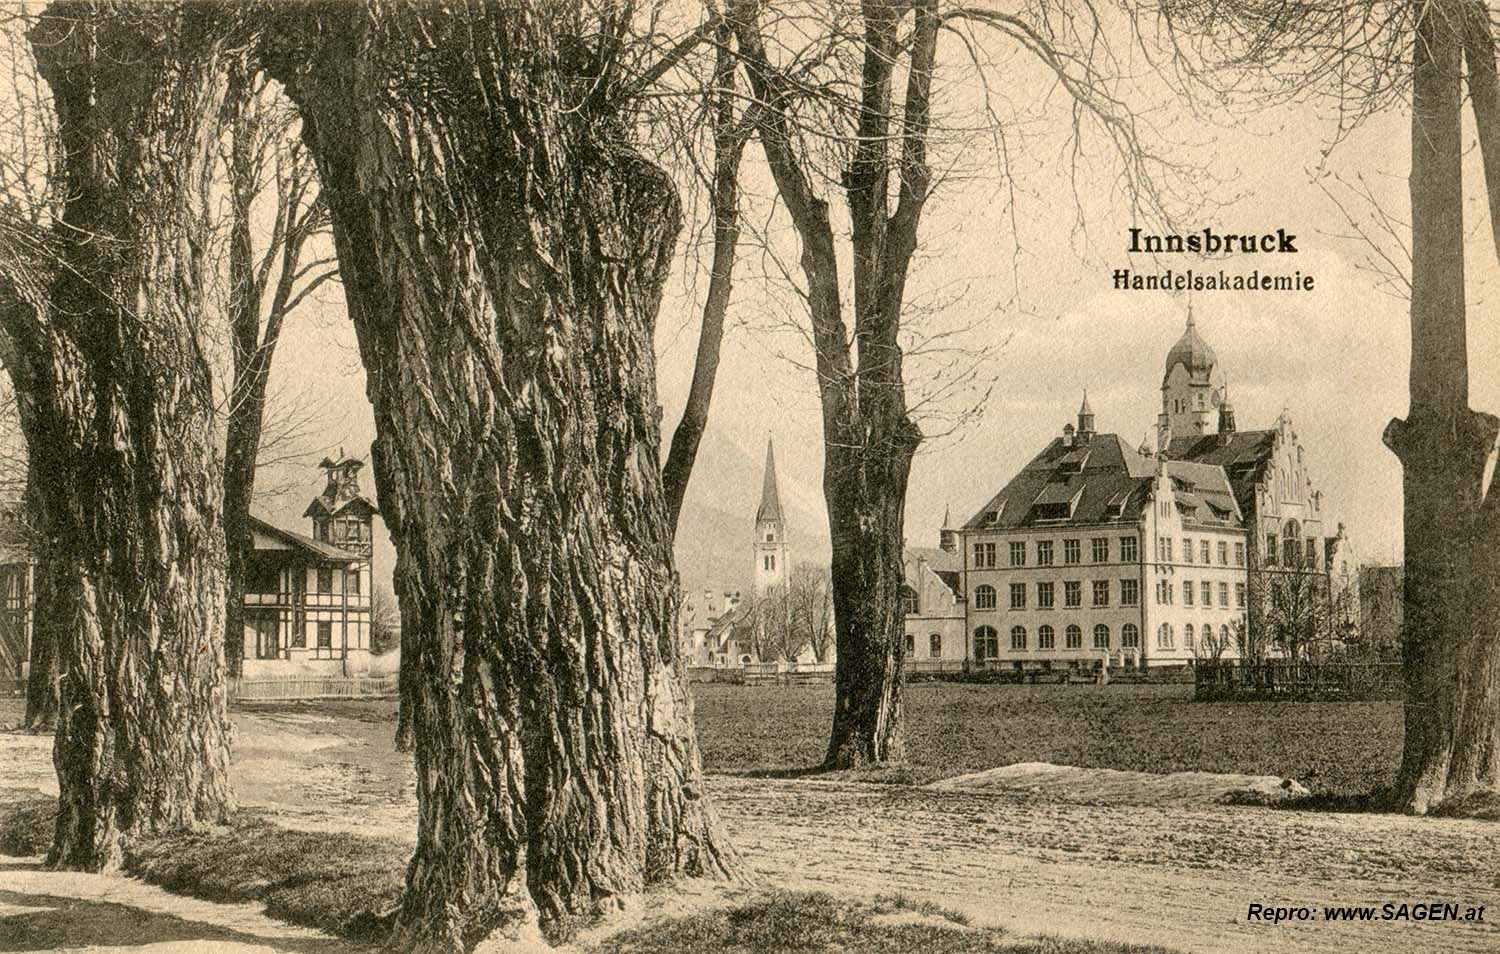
x,y
42,685
503,253
119,428
1451,646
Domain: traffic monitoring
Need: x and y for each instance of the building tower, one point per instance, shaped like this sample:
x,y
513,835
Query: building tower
x,y
1226,414
341,514
947,536
1189,400
1085,420
770,544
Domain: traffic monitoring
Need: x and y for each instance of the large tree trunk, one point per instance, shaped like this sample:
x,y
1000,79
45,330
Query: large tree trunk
x,y
503,256
119,427
42,685
1451,644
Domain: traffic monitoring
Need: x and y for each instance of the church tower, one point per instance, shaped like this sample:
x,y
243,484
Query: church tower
x,y
770,546
1189,400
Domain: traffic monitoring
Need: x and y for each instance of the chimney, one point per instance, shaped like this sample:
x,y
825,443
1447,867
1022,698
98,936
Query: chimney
x,y
1067,435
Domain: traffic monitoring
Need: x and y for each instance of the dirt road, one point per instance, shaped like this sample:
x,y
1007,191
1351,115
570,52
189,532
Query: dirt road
x,y
1178,876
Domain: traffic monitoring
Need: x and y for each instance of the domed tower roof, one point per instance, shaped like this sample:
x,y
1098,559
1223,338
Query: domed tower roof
x,y
1190,351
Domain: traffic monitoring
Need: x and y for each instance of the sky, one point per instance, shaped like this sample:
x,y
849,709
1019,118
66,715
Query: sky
x,y
1015,273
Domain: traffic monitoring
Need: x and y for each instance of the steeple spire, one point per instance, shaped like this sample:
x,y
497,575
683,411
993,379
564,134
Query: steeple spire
x,y
1085,420
770,498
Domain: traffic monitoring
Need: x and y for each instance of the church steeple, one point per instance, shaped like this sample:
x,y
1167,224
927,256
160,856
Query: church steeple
x,y
1085,420
947,536
770,545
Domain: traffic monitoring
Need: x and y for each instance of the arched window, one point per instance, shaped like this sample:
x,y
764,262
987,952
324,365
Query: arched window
x,y
1130,636
909,601
1101,636
1187,636
1224,637
986,643
1018,638
1207,635
984,597
935,645
1164,636
1045,638
1074,636
911,645
1291,543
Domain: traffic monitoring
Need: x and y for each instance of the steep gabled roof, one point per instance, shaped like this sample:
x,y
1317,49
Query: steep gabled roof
x,y
1243,456
770,498
317,548
1112,485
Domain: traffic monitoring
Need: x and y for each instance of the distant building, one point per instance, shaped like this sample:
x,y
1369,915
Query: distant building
x,y
935,622
1100,551
17,592
307,598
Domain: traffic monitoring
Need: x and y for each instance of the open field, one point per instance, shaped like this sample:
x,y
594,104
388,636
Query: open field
x,y
1170,875
953,729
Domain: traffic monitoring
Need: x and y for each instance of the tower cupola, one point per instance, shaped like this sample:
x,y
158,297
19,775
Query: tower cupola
x,y
1189,400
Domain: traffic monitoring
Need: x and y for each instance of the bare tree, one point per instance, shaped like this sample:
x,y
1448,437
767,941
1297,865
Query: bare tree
x,y
811,610
385,620
101,314
502,250
269,276
852,88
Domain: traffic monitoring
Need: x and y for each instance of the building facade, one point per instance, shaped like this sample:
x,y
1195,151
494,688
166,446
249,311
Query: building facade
x,y
1098,552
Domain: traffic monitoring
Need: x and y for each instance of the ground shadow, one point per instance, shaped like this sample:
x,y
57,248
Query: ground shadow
x,y
31,921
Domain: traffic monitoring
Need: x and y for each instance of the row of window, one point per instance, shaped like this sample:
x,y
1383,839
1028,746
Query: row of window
x,y
1166,637
934,645
986,554
1205,593
987,639
1203,553
268,636
985,597
1293,552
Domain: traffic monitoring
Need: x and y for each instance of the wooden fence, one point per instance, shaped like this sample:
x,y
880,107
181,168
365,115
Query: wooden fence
x,y
1284,679
297,686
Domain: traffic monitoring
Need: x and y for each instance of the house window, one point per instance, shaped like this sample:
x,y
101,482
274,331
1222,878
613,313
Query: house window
x,y
1224,637
1239,595
1073,593
1130,592
1223,553
262,578
911,645
1018,596
1311,549
986,643
1168,542
1073,636
1044,553
1072,552
1044,595
1223,594
770,561
1101,592
1239,554
1018,638
984,597
298,639
1187,550
1018,553
1101,636
1100,548
1164,636
1203,551
267,636
770,538
1130,636
935,645
1206,592
909,601
984,556
325,632
1163,592
1128,550
1270,549
1045,638
325,579
1187,592
1187,636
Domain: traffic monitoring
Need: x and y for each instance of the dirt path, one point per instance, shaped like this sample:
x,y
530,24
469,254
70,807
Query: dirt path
x,y
1179,876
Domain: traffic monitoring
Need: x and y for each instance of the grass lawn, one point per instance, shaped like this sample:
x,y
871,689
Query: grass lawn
x,y
1333,748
